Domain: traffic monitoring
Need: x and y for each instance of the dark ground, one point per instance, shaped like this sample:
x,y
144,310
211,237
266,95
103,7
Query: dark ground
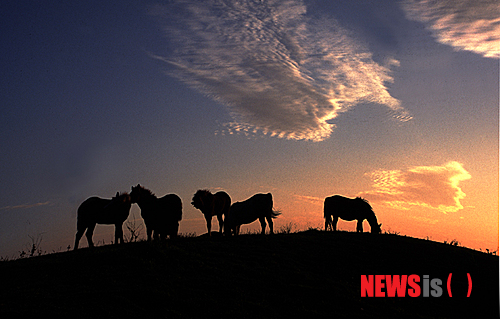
x,y
312,274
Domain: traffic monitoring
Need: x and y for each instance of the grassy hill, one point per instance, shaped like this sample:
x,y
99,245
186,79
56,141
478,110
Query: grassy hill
x,y
310,274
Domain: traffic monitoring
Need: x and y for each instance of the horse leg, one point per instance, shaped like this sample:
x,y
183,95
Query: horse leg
x,y
118,233
263,224
359,227
221,223
209,224
78,236
271,226
149,231
334,223
174,229
328,222
89,234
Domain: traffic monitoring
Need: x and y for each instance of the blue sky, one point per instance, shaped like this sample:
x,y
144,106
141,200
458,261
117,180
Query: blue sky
x,y
304,99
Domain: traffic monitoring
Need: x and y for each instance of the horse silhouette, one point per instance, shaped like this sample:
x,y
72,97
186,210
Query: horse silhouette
x,y
95,210
349,209
259,206
217,204
161,215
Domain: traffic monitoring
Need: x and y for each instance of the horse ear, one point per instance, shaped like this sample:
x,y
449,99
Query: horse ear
x,y
117,194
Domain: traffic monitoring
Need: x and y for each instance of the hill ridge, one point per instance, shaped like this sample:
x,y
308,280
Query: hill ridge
x,y
311,273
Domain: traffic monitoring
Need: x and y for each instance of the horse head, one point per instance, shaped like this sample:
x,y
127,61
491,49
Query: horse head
x,y
370,215
134,194
203,200
138,193
122,199
376,229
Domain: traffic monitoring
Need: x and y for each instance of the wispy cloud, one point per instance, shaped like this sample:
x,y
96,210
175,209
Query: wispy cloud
x,y
435,187
426,220
309,199
279,72
24,206
472,25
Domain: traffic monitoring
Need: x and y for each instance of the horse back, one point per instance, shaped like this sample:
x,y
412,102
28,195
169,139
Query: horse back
x,y
257,206
91,207
222,203
171,205
102,211
93,202
346,208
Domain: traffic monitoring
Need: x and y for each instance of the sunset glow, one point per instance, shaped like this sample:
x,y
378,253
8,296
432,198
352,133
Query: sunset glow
x,y
395,101
435,187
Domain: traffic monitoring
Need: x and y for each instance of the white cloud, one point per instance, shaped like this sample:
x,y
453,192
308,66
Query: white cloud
x,y
472,25
435,187
279,73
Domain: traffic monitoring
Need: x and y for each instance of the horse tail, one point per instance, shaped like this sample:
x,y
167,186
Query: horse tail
x,y
82,216
177,202
275,213
79,224
179,214
326,209
327,213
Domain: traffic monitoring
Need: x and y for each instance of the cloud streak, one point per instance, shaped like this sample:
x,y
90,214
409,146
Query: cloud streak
x,y
471,25
434,187
309,199
278,72
24,206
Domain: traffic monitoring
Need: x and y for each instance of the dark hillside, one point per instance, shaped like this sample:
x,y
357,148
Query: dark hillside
x,y
310,274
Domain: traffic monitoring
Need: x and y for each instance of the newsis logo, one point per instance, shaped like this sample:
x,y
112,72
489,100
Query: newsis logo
x,y
406,285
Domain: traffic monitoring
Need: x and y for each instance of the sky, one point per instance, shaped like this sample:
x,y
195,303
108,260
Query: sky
x,y
393,101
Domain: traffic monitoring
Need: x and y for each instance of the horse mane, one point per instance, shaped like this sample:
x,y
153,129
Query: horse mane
x,y
197,198
145,190
202,192
121,194
365,202
363,199
372,220
124,196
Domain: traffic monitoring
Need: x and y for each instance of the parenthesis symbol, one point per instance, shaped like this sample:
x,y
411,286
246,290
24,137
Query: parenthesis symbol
x,y
470,285
448,284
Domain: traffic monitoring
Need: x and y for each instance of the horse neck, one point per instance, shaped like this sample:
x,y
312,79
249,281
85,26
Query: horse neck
x,y
147,200
372,219
207,201
124,211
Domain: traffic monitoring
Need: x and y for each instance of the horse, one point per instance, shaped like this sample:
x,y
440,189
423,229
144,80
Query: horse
x,y
259,206
217,204
161,215
349,209
95,210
